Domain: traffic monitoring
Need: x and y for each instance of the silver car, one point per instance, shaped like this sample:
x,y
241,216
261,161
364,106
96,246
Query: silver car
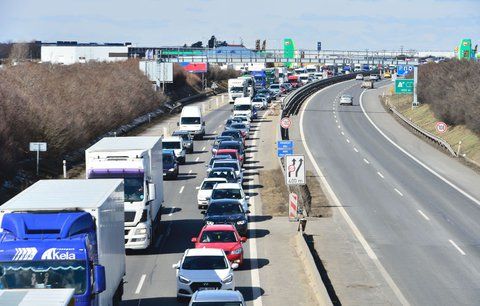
x,y
217,297
346,99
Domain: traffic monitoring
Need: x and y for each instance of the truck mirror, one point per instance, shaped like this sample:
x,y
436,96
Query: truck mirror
x,y
178,123
99,276
151,191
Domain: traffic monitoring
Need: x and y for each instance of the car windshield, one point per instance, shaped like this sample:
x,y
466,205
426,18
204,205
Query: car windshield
x,y
204,263
236,89
168,159
190,120
169,145
233,165
208,185
132,184
242,107
234,134
233,146
218,236
226,194
229,175
238,126
224,209
44,274
257,100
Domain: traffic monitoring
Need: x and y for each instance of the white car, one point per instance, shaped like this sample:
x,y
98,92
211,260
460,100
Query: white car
x,y
205,190
244,119
233,163
203,269
175,143
230,191
259,103
217,297
359,77
374,77
346,99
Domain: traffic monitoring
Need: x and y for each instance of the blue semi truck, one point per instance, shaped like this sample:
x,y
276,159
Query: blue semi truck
x,y
260,79
66,234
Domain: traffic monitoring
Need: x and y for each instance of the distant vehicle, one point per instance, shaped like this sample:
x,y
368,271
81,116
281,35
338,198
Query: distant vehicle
x,y
205,191
287,86
357,68
230,163
259,102
175,143
237,88
218,140
359,77
242,127
232,120
387,75
260,79
346,99
365,67
226,173
275,88
242,106
203,269
191,120
170,164
368,84
230,191
187,140
234,145
217,297
294,81
318,75
301,70
224,237
214,158
227,211
303,78
236,134
374,77
265,93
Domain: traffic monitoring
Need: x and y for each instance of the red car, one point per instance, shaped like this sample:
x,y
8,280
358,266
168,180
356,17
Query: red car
x,y
222,236
232,152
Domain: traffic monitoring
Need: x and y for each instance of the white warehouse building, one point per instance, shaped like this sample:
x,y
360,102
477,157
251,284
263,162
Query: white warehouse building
x,y
71,52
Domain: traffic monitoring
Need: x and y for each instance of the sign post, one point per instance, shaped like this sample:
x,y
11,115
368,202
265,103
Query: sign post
x,y
37,147
415,81
295,169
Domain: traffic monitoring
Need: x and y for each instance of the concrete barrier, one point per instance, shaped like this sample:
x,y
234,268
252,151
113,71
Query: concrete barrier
x,y
311,271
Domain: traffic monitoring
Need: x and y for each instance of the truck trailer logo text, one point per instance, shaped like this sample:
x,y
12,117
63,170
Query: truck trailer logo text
x,y
24,253
54,253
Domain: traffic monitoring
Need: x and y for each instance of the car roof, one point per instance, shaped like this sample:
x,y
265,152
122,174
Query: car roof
x,y
203,252
228,186
219,227
226,151
222,169
231,142
217,296
171,138
214,179
218,201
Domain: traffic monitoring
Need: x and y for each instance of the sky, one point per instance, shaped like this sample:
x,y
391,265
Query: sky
x,y
338,24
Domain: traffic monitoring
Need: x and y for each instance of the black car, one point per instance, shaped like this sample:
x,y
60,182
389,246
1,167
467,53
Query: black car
x,y
236,134
217,141
227,211
170,164
187,140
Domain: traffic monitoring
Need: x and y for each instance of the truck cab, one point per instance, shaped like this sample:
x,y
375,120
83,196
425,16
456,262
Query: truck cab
x,y
237,88
242,106
191,120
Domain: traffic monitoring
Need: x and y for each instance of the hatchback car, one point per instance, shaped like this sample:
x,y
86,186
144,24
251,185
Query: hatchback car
x,y
235,145
230,163
230,191
259,103
242,127
346,99
175,143
359,77
222,236
205,190
236,134
224,172
187,140
217,298
217,141
203,269
214,158
227,211
170,164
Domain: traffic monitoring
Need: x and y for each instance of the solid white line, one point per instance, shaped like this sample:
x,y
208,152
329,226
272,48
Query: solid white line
x,y
456,246
335,201
380,174
366,161
140,284
203,149
196,159
355,149
348,140
467,195
342,133
398,191
423,215
338,126
181,189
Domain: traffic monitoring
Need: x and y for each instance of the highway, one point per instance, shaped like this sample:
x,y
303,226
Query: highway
x,y
424,232
150,278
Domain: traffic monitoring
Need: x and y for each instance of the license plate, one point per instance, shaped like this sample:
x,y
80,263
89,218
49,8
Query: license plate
x,y
207,288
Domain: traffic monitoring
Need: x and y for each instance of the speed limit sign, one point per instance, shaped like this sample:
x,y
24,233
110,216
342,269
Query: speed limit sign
x,y
441,127
285,122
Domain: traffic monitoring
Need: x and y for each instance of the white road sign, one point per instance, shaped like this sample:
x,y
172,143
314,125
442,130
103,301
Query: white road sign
x,y
295,169
38,146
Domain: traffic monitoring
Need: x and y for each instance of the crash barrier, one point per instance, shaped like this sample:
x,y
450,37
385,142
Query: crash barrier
x,y
310,268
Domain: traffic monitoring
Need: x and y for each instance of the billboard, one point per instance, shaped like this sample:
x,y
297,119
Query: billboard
x,y
194,67
157,72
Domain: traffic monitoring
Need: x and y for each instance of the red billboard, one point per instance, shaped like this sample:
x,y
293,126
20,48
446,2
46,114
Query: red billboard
x,y
194,67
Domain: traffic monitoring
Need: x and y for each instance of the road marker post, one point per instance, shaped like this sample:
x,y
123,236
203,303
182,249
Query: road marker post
x,y
293,207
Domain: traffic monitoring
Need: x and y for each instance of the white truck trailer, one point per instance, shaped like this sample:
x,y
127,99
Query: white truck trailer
x,y
37,297
237,88
138,161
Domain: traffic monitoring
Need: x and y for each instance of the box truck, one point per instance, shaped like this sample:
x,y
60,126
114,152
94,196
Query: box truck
x,y
138,161
60,234
38,297
237,88
243,107
191,120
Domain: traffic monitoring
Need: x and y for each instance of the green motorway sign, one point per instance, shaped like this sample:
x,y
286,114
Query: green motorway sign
x,y
404,86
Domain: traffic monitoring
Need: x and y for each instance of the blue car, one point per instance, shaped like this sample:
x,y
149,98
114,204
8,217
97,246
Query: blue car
x,y
170,164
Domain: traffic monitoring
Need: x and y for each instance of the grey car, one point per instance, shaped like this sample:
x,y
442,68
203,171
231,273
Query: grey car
x,y
217,297
187,140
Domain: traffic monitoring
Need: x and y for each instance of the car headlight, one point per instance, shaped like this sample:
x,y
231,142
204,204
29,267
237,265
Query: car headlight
x,y
140,231
227,279
237,251
210,223
241,222
171,169
183,280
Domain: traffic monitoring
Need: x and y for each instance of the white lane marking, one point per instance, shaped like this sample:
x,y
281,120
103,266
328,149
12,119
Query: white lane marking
x,y
398,191
203,149
464,193
140,284
380,174
215,132
181,189
331,196
342,133
456,246
171,211
348,140
196,159
338,126
336,121
190,171
366,161
423,215
355,149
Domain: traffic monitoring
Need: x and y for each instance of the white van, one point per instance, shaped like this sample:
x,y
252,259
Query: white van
x,y
191,120
243,106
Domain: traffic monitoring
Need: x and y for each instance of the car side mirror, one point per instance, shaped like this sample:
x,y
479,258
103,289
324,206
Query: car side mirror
x,y
176,266
234,265
247,197
243,239
99,276
151,192
247,212
198,187
203,212
194,240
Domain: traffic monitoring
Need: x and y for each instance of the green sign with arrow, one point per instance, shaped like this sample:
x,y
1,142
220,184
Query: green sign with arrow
x,y
404,86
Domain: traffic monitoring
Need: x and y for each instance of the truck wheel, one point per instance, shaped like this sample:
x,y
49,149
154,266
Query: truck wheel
x,y
117,298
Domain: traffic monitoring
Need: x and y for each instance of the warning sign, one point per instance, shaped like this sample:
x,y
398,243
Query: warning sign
x,y
295,169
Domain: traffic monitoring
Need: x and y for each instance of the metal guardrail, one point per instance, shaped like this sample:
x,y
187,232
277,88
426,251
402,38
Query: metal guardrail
x,y
425,133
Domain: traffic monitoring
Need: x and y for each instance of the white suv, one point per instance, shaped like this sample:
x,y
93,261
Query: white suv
x,y
203,269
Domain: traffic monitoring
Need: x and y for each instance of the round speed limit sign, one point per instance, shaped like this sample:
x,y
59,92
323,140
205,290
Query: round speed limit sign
x,y
441,127
285,122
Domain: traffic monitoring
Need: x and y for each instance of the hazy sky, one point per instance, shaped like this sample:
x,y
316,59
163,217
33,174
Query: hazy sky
x,y
338,24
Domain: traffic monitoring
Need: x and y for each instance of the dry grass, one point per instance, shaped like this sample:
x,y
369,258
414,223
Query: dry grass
x,y
274,194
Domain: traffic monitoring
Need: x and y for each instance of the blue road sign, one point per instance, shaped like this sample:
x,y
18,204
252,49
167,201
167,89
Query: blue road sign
x,y
283,152
403,70
285,144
